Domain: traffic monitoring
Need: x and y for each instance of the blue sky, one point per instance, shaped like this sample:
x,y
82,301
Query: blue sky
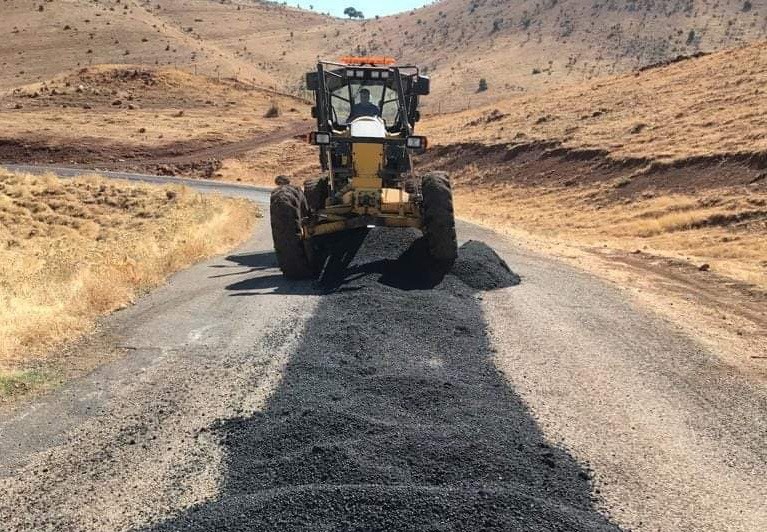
x,y
370,8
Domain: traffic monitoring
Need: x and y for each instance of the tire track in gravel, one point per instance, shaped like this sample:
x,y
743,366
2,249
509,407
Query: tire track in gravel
x,y
391,415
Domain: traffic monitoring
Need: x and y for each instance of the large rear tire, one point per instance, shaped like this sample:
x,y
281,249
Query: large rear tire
x,y
439,218
287,207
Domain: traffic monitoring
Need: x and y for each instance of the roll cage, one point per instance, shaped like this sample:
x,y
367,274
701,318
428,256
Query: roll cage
x,y
336,87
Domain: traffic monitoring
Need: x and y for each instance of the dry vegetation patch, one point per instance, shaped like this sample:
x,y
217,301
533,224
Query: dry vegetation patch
x,y
293,157
134,115
725,228
72,250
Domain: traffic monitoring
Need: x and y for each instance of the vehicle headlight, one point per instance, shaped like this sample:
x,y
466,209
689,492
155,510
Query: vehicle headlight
x,y
416,143
320,138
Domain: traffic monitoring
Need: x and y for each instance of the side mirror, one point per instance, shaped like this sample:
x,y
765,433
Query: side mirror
x,y
422,85
417,116
312,81
314,111
417,144
319,138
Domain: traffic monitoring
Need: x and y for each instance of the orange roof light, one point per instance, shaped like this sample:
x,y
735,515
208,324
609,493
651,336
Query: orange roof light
x,y
374,60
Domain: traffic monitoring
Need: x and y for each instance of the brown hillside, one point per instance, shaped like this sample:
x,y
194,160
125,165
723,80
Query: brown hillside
x,y
522,45
711,106
150,119
517,46
670,161
44,38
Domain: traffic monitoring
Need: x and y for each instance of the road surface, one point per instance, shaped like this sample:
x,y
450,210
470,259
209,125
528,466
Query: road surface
x,y
390,400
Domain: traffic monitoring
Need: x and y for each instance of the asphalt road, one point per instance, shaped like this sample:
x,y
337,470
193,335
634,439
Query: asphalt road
x,y
257,194
390,400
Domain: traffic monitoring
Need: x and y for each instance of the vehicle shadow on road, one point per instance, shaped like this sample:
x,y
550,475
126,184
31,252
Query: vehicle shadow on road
x,y
262,276
406,269
411,270
391,415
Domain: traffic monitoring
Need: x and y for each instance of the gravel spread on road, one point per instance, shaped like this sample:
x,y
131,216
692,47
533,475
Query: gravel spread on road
x,y
392,416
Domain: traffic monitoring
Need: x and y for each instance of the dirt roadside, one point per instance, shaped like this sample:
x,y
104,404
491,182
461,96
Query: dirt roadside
x,y
727,316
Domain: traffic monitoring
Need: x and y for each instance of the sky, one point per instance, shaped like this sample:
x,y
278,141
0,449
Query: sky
x,y
369,8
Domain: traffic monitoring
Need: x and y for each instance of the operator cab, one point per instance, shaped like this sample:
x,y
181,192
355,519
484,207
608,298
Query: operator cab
x,y
371,100
347,101
391,92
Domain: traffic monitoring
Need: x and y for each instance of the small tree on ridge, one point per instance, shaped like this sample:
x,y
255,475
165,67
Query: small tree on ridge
x,y
353,13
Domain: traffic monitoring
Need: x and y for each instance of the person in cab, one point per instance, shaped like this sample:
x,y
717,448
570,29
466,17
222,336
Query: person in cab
x,y
364,107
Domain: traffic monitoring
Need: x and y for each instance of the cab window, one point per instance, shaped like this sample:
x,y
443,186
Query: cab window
x,y
347,96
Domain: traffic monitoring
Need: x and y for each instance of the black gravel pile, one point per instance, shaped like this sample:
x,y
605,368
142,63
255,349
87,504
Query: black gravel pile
x,y
392,416
481,268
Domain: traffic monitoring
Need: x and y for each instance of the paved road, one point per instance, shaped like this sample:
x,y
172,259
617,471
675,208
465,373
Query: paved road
x,y
257,194
390,400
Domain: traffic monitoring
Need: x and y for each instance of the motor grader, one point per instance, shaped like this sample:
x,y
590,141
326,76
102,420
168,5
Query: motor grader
x,y
366,110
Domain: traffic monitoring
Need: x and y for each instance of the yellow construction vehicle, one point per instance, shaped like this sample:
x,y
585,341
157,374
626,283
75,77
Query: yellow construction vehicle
x,y
366,110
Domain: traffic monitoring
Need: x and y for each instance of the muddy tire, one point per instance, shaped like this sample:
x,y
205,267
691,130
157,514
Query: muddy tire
x,y
287,207
316,192
439,218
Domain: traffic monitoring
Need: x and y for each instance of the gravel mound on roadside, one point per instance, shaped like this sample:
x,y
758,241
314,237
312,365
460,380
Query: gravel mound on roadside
x,y
481,268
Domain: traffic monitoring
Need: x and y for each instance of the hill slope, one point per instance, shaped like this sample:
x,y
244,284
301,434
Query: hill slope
x,y
517,46
711,106
670,160
521,45
145,118
47,38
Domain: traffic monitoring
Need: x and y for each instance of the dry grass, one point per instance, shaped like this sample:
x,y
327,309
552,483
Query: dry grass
x,y
697,108
678,225
293,158
140,108
72,250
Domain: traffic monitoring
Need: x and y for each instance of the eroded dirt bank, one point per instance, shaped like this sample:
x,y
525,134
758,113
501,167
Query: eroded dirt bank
x,y
202,159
